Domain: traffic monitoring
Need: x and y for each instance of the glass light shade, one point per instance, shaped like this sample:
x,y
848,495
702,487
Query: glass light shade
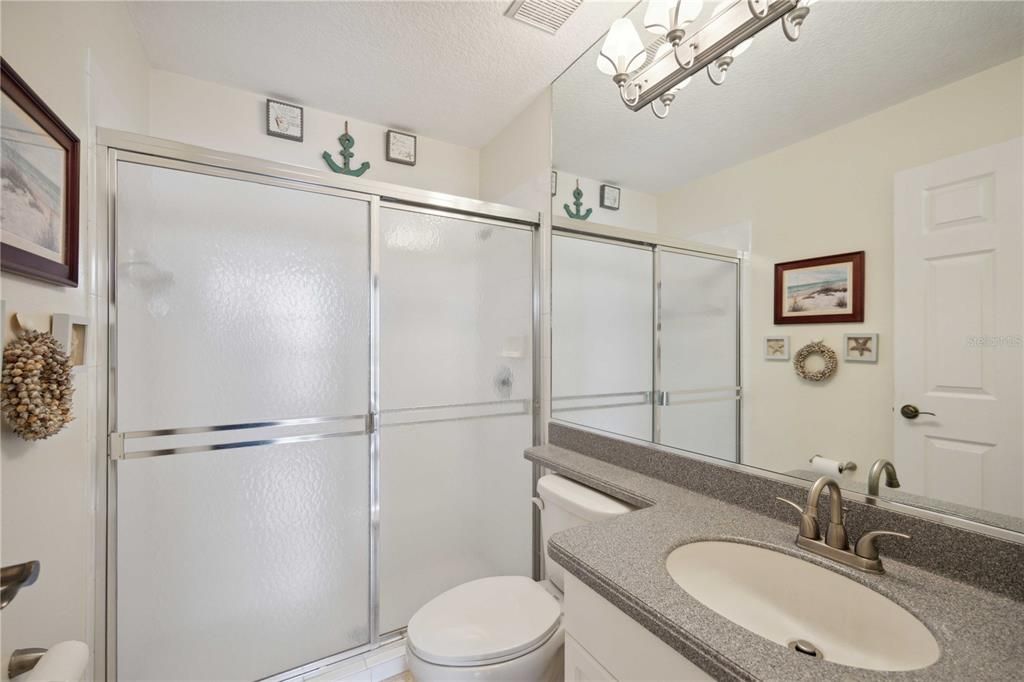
x,y
623,51
656,18
663,16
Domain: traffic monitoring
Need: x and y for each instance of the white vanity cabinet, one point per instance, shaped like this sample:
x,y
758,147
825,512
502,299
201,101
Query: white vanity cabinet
x,y
604,644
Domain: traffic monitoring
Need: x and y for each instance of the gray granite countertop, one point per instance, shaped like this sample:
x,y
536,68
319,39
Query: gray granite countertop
x,y
980,634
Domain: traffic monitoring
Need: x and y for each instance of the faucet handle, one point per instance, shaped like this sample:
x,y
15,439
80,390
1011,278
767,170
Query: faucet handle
x,y
867,545
808,523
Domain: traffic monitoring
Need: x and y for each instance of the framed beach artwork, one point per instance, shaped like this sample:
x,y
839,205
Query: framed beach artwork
x,y
39,195
816,290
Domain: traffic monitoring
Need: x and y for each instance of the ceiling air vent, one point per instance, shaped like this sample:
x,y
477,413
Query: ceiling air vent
x,y
547,15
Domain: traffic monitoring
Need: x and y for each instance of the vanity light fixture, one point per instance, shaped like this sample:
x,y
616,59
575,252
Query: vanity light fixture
x,y
714,45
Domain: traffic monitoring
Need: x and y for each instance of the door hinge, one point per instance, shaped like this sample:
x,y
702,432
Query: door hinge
x,y
115,446
372,422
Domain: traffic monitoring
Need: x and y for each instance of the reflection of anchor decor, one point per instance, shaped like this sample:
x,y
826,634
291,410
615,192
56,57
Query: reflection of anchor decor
x,y
346,153
577,195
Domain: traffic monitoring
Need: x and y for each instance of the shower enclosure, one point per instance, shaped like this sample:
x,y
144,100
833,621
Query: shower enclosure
x,y
645,339
318,398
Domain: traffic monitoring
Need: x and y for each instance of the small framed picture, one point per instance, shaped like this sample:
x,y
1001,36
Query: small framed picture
x,y
776,348
610,195
401,148
554,183
816,290
860,347
284,120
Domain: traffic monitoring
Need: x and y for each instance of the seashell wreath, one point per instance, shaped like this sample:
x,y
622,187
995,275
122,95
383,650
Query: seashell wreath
x,y
35,389
816,348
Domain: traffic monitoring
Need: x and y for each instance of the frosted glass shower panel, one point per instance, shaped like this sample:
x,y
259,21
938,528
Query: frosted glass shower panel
x,y
602,308
242,564
456,311
234,288
699,354
456,414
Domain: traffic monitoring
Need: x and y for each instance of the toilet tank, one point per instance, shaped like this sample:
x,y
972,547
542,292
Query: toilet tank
x,y
568,504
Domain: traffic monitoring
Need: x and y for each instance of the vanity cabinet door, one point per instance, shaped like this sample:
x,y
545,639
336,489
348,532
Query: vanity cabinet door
x,y
618,645
580,666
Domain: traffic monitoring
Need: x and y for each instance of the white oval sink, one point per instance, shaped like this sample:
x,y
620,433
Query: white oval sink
x,y
785,599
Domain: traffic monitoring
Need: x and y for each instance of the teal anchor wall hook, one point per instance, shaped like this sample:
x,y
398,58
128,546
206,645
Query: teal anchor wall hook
x,y
577,195
346,153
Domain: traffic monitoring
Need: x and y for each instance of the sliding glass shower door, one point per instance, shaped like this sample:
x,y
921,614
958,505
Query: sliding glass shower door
x,y
242,364
602,334
699,383
456,363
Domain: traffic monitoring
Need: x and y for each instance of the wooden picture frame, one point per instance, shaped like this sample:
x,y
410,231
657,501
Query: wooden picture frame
x,y
46,248
283,119
820,290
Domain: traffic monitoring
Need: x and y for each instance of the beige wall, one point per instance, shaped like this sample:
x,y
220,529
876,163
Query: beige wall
x,y
86,62
210,115
833,193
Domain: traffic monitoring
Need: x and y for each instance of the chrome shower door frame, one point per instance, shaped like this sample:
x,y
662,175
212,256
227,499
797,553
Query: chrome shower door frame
x,y
113,147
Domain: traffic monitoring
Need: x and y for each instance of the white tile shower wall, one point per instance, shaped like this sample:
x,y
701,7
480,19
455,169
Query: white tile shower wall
x,y
847,209
85,60
228,119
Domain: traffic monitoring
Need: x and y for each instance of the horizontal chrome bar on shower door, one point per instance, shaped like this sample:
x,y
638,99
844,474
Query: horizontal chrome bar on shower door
x,y
698,395
599,401
185,440
454,412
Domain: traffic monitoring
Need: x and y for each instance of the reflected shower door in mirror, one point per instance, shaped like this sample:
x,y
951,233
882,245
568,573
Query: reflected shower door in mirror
x,y
698,361
644,342
602,334
815,149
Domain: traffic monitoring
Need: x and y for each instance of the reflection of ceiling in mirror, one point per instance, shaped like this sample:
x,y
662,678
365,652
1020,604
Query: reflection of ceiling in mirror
x,y
852,59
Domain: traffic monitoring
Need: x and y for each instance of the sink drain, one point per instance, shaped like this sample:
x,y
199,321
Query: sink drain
x,y
802,646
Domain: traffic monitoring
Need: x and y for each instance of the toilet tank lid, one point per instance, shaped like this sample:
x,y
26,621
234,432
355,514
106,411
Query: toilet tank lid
x,y
579,499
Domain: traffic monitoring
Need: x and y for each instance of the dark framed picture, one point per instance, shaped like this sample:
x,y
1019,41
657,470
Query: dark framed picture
x,y
40,195
610,195
284,120
816,290
401,148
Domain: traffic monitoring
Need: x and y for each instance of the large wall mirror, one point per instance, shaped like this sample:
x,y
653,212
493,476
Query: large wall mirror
x,y
860,189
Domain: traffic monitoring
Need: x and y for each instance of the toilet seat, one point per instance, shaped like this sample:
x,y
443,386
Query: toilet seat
x,y
484,622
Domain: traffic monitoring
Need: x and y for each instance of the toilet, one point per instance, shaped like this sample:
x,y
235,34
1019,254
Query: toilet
x,y
506,627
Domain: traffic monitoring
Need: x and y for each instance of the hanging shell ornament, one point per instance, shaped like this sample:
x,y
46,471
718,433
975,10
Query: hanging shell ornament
x,y
36,388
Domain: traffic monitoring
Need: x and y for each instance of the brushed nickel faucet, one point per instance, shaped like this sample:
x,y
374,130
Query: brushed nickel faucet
x,y
877,469
836,545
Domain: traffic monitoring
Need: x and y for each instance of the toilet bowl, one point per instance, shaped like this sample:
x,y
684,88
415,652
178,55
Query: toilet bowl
x,y
505,628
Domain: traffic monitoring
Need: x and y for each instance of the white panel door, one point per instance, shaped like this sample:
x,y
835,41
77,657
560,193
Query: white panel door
x,y
958,308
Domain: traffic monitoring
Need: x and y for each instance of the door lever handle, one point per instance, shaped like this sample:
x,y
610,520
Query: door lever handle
x,y
911,412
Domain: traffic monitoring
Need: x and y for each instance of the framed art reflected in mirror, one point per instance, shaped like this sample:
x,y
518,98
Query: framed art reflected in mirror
x,y
39,202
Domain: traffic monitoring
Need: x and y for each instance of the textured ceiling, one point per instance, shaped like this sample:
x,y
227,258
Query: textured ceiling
x,y
456,71
853,58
